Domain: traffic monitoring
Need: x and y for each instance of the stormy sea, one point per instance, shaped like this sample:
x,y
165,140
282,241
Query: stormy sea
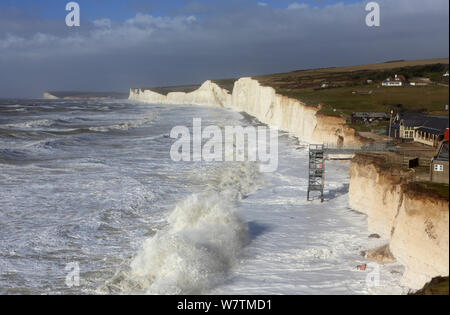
x,y
92,203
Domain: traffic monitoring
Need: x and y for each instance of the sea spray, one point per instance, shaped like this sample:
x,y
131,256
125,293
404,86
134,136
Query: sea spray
x,y
239,182
201,242
193,253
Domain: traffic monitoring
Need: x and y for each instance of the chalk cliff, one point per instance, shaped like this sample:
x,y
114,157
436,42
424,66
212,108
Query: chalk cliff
x,y
209,94
49,96
415,221
266,105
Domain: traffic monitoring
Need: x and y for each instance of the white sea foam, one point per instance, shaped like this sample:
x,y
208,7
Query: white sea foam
x,y
31,124
193,253
201,242
239,182
126,125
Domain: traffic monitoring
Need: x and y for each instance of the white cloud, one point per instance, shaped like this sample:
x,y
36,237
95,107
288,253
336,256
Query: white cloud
x,y
149,21
191,19
139,30
262,4
103,23
11,41
297,6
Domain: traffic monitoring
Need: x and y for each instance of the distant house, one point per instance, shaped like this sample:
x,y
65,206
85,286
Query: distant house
x,y
446,74
367,117
439,168
432,131
418,83
397,80
362,92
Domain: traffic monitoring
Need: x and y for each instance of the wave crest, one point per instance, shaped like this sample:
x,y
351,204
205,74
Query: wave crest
x,y
193,253
126,125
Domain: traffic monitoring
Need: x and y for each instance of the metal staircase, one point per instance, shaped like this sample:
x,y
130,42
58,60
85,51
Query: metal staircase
x,y
316,180
318,153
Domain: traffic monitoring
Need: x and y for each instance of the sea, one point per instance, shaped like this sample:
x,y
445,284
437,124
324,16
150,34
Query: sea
x,y
91,202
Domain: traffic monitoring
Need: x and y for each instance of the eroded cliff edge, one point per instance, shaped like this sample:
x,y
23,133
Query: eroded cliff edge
x,y
266,105
415,220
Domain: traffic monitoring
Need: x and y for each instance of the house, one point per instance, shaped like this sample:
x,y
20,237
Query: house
x,y
445,74
405,124
422,128
432,131
439,165
397,80
367,117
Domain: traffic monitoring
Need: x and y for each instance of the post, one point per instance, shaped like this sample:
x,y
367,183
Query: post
x,y
390,125
322,198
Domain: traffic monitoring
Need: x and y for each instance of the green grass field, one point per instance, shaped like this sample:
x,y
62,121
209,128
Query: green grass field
x,y
339,99
430,98
348,91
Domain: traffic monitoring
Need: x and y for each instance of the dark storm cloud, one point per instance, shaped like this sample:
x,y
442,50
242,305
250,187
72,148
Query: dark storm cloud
x,y
213,39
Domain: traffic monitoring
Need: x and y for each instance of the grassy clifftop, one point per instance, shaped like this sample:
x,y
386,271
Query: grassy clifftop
x,y
359,88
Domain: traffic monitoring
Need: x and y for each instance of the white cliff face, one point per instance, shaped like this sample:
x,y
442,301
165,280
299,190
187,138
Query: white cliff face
x,y
420,239
275,110
49,96
209,94
266,105
416,224
375,195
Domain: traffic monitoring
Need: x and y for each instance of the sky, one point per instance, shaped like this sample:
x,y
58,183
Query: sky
x,y
136,43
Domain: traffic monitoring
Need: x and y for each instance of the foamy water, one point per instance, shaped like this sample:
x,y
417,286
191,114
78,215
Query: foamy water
x,y
92,183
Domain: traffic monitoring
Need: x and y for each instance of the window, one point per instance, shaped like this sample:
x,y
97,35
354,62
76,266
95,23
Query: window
x,y
438,168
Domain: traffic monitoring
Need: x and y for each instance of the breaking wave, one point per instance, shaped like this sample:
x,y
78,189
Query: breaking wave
x,y
201,242
126,125
31,124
